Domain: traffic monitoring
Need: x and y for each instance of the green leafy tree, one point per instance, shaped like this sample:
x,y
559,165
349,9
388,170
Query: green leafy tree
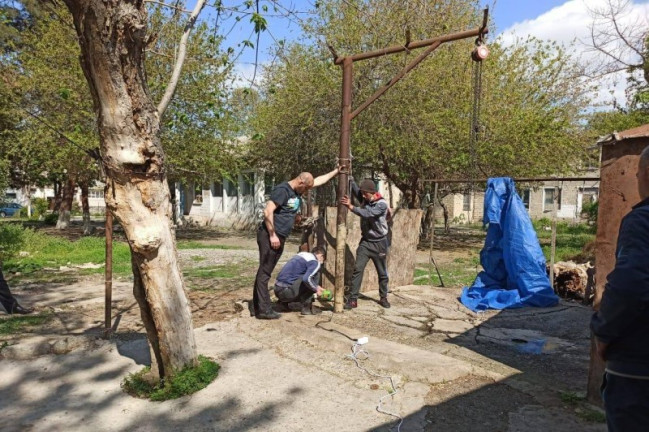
x,y
532,100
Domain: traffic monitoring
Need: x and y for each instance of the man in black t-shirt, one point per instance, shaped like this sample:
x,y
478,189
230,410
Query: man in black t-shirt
x,y
279,217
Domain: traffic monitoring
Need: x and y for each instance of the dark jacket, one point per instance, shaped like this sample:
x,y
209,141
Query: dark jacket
x,y
303,266
623,318
374,216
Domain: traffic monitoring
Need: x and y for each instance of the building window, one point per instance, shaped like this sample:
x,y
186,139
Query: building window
x,y
525,197
466,203
198,194
269,183
590,195
247,183
217,189
548,201
96,193
231,188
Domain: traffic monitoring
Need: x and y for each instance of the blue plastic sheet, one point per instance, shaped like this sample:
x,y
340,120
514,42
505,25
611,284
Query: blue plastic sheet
x,y
514,272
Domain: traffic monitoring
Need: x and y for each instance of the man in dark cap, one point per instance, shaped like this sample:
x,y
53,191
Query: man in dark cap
x,y
374,212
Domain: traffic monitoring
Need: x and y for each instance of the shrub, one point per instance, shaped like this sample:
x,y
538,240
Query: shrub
x,y
51,218
12,238
589,210
39,207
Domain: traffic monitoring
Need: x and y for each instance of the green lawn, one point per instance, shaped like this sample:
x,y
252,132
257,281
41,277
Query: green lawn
x,y
46,251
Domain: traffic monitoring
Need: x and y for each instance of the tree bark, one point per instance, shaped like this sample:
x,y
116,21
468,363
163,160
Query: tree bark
x,y
87,229
446,221
112,35
58,194
67,196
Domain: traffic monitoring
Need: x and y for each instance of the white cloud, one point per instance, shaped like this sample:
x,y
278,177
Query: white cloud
x,y
569,25
244,72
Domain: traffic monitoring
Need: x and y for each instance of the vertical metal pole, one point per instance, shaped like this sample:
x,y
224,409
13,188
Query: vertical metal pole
x,y
553,242
432,237
343,182
309,213
109,270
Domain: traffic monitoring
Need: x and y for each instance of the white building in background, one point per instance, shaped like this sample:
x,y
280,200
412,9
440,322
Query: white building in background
x,y
22,196
230,203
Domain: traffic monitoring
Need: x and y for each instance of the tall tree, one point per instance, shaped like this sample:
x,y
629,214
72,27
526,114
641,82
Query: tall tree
x,y
621,38
113,38
55,129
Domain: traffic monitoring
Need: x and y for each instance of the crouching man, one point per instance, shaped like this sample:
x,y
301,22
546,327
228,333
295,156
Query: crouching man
x,y
299,280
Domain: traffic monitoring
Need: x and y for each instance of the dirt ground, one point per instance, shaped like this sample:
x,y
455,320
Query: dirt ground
x,y
522,370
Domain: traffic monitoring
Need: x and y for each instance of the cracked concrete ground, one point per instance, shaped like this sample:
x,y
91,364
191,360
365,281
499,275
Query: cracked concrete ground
x,y
453,370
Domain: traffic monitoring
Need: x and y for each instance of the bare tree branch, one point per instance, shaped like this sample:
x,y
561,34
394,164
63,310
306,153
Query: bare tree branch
x,y
182,52
168,6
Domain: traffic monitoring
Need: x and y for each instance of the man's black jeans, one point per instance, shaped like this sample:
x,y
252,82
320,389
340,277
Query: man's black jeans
x,y
378,253
626,401
268,258
298,292
7,300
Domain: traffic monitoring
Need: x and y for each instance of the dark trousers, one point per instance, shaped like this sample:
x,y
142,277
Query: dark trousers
x,y
7,299
378,253
268,258
626,401
298,292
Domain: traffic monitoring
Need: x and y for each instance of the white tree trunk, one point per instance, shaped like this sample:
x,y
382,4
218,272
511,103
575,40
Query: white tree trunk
x,y
112,35
66,205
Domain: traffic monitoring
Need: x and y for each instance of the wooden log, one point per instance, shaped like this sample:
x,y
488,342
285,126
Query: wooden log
x,y
573,281
401,257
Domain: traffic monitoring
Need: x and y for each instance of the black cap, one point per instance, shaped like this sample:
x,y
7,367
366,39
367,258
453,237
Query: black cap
x,y
367,185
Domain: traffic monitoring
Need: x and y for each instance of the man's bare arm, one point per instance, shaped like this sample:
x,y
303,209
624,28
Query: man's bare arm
x,y
269,219
320,180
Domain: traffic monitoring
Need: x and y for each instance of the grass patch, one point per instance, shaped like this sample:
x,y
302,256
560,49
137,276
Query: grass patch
x,y
45,251
187,381
221,271
591,415
455,274
16,324
193,244
571,398
197,258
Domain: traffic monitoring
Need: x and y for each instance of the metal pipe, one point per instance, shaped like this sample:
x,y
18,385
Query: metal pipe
x,y
343,181
108,271
414,45
396,78
522,179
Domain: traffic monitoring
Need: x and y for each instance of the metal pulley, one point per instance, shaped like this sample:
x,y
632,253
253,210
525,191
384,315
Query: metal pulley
x,y
480,52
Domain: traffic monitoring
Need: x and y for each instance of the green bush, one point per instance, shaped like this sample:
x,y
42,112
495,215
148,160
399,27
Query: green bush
x,y
39,207
12,238
51,218
589,210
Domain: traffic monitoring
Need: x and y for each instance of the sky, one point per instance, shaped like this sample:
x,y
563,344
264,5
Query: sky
x,y
563,21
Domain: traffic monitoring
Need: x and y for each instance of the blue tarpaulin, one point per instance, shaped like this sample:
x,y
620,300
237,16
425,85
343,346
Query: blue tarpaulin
x,y
514,272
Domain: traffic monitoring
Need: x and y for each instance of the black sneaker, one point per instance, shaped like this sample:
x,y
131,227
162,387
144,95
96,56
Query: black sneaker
x,y
270,315
310,310
384,302
350,304
281,306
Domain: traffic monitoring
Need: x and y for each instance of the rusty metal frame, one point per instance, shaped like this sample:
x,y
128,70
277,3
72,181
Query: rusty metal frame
x,y
347,115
